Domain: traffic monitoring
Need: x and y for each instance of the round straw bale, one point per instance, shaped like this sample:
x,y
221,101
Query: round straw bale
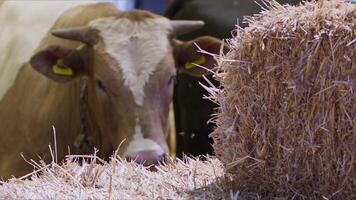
x,y
286,125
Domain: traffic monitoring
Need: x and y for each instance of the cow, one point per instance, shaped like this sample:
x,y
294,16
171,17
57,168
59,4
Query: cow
x,y
103,78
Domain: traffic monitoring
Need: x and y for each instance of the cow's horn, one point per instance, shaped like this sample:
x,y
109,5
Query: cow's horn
x,y
81,34
186,26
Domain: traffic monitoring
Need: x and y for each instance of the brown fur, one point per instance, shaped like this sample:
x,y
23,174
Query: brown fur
x,y
27,128
75,17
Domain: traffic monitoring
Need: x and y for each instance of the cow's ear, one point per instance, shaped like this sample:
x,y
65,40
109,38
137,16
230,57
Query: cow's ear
x,y
187,55
59,63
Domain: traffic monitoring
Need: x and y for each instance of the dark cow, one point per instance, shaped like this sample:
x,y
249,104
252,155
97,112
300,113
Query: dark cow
x,y
103,79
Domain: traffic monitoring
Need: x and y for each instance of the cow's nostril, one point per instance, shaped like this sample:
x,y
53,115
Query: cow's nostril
x,y
147,158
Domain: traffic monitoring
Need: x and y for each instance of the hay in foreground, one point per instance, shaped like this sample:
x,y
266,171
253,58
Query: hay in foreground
x,y
193,179
287,120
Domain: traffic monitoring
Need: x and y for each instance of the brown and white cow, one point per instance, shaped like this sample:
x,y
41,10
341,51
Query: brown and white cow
x,y
102,74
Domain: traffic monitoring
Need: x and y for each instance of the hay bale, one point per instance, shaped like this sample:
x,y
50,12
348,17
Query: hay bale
x,y
119,179
286,125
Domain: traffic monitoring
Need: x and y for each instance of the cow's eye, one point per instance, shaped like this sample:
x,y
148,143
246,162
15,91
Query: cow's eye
x,y
172,79
100,84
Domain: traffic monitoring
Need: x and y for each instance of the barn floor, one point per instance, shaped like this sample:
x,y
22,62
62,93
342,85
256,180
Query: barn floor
x,y
96,179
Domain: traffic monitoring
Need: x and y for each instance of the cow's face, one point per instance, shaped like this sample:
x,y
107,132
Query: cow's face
x,y
130,61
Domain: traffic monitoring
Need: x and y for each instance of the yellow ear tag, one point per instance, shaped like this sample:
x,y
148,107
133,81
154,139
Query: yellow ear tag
x,y
189,65
60,69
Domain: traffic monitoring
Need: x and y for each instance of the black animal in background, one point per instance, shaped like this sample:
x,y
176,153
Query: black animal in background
x,y
191,112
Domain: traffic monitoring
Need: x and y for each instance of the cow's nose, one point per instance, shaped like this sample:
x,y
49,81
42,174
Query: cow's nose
x,y
147,158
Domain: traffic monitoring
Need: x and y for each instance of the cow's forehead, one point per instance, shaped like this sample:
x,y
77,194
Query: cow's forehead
x,y
126,27
137,46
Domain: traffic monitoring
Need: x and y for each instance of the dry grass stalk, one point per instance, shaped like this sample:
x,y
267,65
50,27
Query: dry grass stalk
x,y
119,179
90,177
286,125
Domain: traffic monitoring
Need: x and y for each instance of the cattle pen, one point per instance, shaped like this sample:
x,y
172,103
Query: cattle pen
x,y
285,128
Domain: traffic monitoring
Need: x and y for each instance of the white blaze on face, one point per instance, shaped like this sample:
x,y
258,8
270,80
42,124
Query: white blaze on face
x,y
23,25
139,143
138,47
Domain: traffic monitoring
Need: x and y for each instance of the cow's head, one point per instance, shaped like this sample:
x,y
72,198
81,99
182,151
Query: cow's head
x,y
131,61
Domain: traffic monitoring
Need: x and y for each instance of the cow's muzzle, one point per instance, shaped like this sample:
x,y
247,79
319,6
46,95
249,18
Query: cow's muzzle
x,y
147,158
